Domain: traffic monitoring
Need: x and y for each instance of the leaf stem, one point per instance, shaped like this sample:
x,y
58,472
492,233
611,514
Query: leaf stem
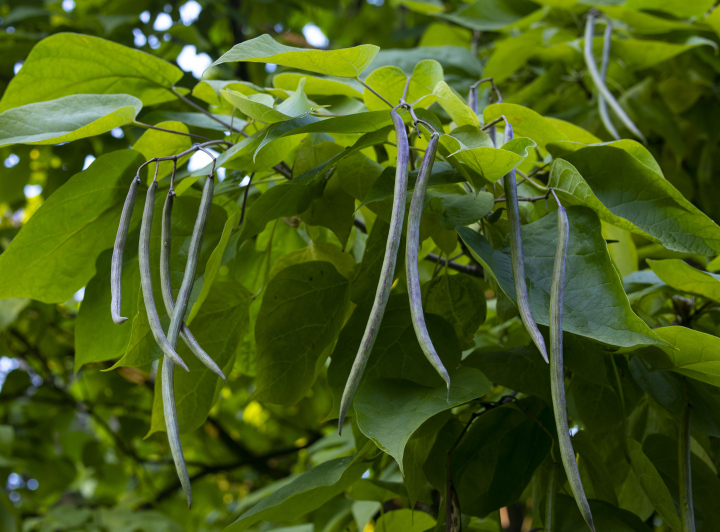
x,y
148,126
368,87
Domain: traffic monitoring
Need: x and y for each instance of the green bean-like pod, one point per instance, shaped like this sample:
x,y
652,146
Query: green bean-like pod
x,y
516,255
166,284
411,260
687,513
602,104
550,524
387,271
183,297
146,280
598,79
173,428
557,372
118,250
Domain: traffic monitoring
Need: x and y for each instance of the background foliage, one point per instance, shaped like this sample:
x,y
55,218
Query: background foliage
x,y
79,445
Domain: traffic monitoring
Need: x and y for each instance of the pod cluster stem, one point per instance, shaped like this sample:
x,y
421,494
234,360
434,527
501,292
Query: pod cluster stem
x,y
557,372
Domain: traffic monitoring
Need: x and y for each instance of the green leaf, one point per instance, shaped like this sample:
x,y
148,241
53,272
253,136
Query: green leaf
x,y
53,255
591,276
683,277
605,516
691,353
389,411
455,106
317,251
306,493
678,8
396,353
213,264
97,337
459,299
639,54
518,369
592,461
218,328
67,63
335,208
390,81
498,455
344,63
303,309
262,106
317,86
490,163
406,520
452,58
663,453
66,119
629,192
653,485
511,54
525,122
491,15
154,143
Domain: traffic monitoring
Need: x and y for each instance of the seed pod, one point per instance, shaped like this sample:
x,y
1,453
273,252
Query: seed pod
x,y
605,62
550,525
193,256
146,279
387,271
687,513
173,428
166,284
557,373
516,255
117,258
411,260
598,80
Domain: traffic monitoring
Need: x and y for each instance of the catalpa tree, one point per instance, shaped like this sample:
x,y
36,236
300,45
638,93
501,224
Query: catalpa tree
x,y
429,294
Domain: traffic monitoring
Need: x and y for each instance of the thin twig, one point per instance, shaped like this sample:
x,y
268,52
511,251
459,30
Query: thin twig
x,y
368,87
470,269
142,124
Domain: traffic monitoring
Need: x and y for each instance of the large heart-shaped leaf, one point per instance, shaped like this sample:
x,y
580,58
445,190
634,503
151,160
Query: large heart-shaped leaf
x,y
595,304
68,118
68,63
53,255
344,63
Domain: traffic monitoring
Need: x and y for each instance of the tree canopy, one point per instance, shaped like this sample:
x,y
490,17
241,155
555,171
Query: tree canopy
x,y
476,237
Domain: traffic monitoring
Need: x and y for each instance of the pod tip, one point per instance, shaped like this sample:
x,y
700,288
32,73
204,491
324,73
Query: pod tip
x,y
119,319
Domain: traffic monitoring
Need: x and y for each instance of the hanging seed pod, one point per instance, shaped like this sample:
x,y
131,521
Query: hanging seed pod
x,y
598,79
550,525
516,255
411,260
146,279
118,250
557,372
173,428
387,271
166,284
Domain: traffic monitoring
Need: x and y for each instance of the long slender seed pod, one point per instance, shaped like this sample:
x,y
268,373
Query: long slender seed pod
x,y
193,255
598,81
387,271
687,513
550,524
173,428
166,284
516,255
602,104
557,373
117,258
146,279
411,260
